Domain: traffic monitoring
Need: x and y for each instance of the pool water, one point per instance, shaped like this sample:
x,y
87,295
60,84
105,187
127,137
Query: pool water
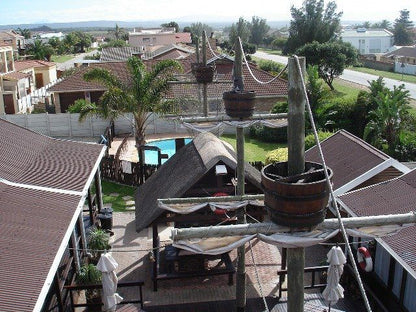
x,y
166,146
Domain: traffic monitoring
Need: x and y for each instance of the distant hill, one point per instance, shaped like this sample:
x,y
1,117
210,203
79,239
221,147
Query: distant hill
x,y
184,21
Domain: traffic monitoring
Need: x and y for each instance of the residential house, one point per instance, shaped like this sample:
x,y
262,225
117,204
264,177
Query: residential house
x,y
157,36
44,184
74,87
368,41
393,278
13,39
42,72
404,59
6,65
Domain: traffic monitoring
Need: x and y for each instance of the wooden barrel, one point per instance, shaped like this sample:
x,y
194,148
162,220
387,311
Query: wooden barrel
x,y
239,104
297,201
203,74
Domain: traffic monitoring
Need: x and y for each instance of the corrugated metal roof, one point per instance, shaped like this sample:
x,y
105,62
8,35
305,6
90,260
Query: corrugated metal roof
x,y
348,156
391,197
34,223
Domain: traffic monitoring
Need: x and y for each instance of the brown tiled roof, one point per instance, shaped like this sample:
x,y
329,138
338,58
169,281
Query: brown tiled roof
x,y
16,75
348,156
391,197
22,65
42,189
403,52
76,82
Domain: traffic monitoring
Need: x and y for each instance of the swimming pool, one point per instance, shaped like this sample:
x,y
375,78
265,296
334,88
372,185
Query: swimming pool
x,y
167,146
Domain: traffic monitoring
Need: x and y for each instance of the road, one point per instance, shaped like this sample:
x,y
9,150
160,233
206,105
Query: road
x,y
349,75
70,63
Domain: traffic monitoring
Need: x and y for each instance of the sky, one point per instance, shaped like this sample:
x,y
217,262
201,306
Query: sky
x,y
55,11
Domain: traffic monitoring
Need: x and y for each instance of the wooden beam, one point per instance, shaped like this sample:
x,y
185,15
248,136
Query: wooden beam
x,y
227,118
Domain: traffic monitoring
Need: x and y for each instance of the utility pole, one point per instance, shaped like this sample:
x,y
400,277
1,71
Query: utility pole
x,y
296,165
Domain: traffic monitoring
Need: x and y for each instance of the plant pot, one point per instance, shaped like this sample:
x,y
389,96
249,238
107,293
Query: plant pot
x,y
202,73
239,104
299,201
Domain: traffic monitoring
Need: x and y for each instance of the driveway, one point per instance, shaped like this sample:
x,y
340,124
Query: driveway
x,y
348,75
70,63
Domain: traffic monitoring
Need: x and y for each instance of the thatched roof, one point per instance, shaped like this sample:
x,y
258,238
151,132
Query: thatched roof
x,y
182,171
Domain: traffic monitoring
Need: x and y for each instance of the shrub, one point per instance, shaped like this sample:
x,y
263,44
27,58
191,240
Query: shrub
x,y
265,134
279,108
276,155
406,148
77,106
310,138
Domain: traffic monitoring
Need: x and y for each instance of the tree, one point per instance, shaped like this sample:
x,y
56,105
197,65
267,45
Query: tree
x,y
143,95
83,40
24,32
240,29
386,121
384,24
401,31
258,30
171,24
312,23
39,50
314,87
279,43
117,32
196,30
330,57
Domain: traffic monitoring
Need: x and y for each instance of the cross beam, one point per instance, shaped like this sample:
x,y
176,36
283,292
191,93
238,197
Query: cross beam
x,y
271,228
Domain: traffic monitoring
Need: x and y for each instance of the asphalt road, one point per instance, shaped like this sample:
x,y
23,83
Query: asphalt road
x,y
349,75
70,63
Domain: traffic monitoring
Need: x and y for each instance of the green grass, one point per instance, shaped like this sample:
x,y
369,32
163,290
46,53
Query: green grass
x,y
117,202
254,150
386,74
61,58
270,51
345,89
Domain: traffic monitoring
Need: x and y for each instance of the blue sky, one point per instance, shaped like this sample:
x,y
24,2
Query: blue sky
x,y
45,11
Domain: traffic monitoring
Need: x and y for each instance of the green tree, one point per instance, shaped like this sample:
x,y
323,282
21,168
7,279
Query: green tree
x,y
39,50
279,43
315,88
330,57
384,24
312,23
196,30
57,45
402,27
83,40
144,94
258,30
114,44
386,121
118,32
24,32
240,29
171,24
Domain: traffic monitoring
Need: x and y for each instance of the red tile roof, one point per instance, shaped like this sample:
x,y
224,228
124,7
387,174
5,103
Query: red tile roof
x,y
348,156
391,197
42,189
16,75
22,65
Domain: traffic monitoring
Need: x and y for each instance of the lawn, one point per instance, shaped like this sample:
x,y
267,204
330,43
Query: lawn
x,y
270,51
61,58
254,150
117,202
385,74
346,89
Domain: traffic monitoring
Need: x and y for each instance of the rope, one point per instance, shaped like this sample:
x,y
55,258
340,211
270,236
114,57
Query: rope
x,y
334,202
258,278
210,48
251,73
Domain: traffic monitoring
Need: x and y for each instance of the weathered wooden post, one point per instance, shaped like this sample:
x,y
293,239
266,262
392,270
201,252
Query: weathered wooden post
x,y
204,63
296,165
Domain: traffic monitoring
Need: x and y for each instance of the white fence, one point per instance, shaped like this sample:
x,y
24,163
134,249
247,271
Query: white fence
x,y
403,68
68,125
26,103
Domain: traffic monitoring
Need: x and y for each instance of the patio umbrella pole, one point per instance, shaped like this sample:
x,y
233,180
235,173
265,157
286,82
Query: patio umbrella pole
x,y
204,86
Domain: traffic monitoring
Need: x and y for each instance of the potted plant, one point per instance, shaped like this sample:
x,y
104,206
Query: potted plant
x,y
90,275
98,243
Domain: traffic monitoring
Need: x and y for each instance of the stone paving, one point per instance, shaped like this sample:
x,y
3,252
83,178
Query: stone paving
x,y
131,250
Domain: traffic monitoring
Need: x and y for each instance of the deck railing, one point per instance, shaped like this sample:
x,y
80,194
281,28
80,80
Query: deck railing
x,y
72,288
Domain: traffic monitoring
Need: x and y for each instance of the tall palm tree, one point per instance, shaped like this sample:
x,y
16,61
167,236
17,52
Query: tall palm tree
x,y
144,94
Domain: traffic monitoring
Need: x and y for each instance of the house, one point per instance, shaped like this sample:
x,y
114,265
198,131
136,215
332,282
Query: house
x,y
394,257
13,39
157,36
355,163
404,59
6,66
44,184
42,72
368,41
74,87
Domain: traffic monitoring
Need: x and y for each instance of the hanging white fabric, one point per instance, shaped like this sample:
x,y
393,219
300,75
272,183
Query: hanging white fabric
x,y
107,265
192,207
334,291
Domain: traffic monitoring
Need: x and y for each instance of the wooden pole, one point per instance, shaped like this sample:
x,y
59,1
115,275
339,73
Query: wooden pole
x,y
271,228
204,86
296,165
238,67
241,219
227,118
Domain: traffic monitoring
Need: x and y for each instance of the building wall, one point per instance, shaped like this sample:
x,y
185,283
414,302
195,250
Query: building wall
x,y
368,44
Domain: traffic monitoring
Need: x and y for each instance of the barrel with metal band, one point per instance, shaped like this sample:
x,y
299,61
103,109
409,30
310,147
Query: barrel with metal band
x,y
298,201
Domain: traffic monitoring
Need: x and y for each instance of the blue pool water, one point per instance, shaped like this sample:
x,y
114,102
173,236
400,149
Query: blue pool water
x,y
166,147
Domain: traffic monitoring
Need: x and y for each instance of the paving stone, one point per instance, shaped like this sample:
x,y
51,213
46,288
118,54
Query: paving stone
x,y
131,208
130,202
114,194
128,197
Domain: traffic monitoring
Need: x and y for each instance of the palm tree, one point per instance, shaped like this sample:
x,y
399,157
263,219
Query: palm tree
x,y
387,120
144,94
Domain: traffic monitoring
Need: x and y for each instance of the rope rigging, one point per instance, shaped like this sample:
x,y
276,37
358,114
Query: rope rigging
x,y
333,199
